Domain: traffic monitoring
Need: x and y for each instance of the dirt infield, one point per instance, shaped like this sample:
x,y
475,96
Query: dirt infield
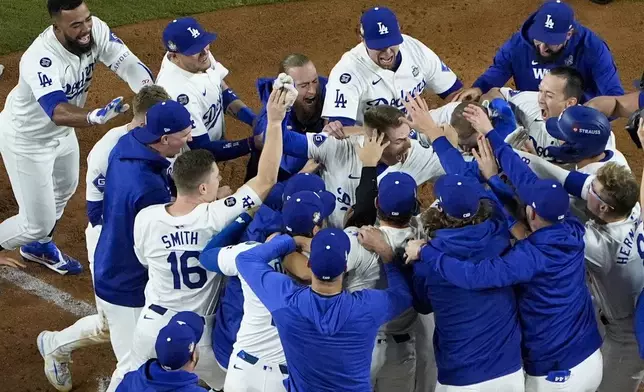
x,y
251,42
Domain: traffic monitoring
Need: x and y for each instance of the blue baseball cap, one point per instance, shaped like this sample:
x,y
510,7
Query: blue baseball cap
x,y
329,252
584,130
380,29
397,194
458,196
551,23
186,36
303,182
177,341
306,209
164,118
548,198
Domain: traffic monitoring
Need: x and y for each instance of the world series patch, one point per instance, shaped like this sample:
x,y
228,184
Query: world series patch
x,y
230,201
45,62
183,99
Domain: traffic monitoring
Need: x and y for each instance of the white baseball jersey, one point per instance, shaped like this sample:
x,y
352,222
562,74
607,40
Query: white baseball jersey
x,y
363,267
257,334
47,67
169,246
443,114
342,167
525,105
97,160
614,256
200,93
357,83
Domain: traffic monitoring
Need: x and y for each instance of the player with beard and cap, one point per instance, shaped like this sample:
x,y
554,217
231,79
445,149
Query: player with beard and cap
x,y
550,37
306,114
39,146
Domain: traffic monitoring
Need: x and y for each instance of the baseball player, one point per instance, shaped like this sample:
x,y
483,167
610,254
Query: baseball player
x,y
477,346
257,361
551,267
382,70
334,326
342,167
549,38
39,149
168,239
307,109
177,356
137,176
193,77
56,347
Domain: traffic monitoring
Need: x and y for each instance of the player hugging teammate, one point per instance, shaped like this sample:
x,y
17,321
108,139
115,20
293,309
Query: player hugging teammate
x,y
323,272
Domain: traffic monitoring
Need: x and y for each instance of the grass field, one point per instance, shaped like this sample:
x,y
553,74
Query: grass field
x,y
23,20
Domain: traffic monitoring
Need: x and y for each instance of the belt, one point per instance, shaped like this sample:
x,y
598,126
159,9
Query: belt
x,y
253,360
158,309
397,338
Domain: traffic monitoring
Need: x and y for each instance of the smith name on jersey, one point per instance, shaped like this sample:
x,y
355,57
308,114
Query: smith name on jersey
x,y
357,83
48,71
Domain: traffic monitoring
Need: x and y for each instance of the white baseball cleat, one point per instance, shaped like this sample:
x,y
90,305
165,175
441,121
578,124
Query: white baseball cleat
x,y
56,370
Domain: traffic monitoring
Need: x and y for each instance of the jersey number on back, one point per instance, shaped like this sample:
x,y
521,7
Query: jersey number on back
x,y
181,270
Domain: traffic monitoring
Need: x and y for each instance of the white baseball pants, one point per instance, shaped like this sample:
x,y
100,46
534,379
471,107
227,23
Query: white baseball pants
x,y
121,322
623,367
43,176
147,329
513,382
426,370
585,377
262,376
393,364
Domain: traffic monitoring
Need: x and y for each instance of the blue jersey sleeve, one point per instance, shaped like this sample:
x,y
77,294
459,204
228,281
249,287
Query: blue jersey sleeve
x,y
223,150
452,160
295,144
270,286
230,234
48,102
639,324
420,300
500,71
95,212
640,100
518,265
574,183
386,305
604,72
512,164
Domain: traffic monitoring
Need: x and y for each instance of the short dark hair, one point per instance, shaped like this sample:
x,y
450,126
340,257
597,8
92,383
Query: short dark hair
x,y
293,60
56,6
191,169
383,117
463,127
574,81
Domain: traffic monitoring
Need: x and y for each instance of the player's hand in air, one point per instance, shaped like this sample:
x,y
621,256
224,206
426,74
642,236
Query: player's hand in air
x,y
335,129
485,158
419,117
478,118
412,250
277,105
105,114
468,94
372,239
371,152
10,262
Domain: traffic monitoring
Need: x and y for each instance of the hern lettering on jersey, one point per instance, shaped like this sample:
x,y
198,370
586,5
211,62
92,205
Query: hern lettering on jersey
x,y
180,238
626,248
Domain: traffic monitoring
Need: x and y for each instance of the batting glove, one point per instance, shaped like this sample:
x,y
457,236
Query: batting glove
x,y
111,110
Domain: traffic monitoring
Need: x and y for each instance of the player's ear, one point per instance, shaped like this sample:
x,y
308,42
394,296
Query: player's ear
x,y
203,189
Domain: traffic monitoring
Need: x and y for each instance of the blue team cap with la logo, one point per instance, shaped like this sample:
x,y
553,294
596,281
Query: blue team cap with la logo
x,y
329,253
164,118
306,209
178,340
186,36
380,29
551,23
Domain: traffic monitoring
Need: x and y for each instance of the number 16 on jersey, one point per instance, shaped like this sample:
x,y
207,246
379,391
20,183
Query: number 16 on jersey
x,y
181,272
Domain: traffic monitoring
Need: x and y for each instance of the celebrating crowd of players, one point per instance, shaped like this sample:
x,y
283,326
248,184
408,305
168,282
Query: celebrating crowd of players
x,y
323,272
